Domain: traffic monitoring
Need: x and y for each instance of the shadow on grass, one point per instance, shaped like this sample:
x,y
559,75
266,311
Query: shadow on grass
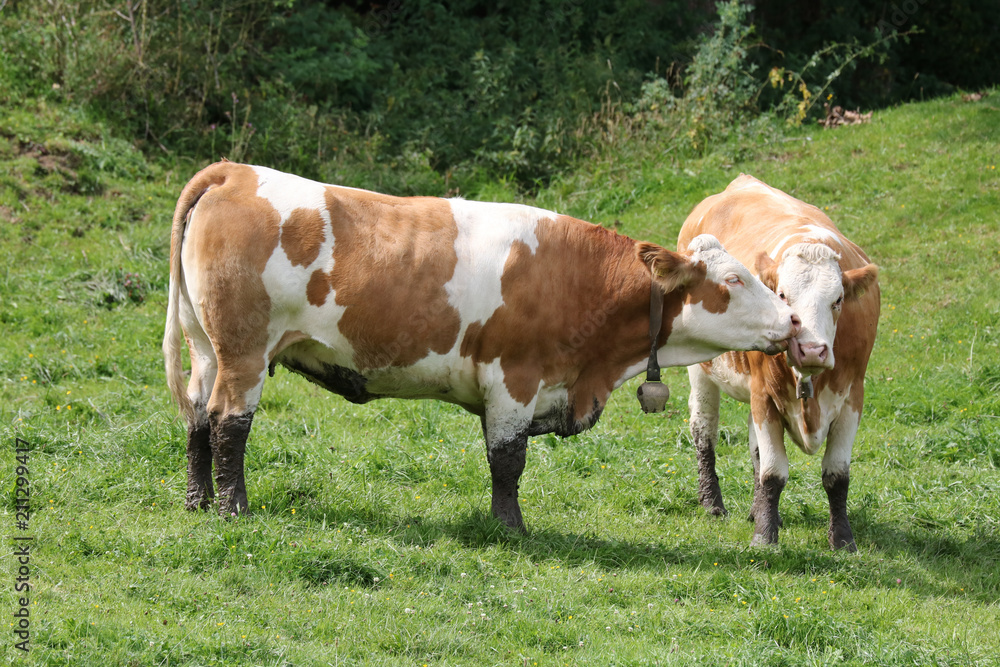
x,y
930,560
927,563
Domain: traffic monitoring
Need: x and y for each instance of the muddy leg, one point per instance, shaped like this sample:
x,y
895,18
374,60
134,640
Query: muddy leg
x,y
506,465
767,451
840,534
199,470
837,477
506,445
709,491
703,403
204,370
228,440
765,511
755,460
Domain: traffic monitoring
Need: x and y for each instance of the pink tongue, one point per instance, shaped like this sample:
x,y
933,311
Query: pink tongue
x,y
794,352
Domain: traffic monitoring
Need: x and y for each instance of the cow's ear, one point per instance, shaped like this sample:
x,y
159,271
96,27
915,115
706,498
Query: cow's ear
x,y
670,270
858,281
767,270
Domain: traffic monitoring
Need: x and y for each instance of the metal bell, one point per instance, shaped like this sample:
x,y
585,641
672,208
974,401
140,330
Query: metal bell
x,y
653,396
804,388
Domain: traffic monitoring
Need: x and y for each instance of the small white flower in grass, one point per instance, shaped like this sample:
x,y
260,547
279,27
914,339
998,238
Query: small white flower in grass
x,y
409,611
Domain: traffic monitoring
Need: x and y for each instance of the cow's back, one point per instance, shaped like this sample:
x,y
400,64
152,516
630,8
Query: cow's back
x,y
750,216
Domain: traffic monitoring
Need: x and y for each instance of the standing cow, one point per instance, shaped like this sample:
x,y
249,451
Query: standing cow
x,y
526,318
831,285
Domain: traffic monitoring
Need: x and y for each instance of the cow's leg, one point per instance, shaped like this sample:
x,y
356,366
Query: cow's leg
x,y
703,403
200,491
837,477
229,439
755,460
204,369
506,429
771,473
231,412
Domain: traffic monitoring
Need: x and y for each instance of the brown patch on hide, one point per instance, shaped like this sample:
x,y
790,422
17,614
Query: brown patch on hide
x,y
392,259
302,235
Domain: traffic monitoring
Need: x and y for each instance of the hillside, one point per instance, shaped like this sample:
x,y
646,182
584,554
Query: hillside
x,y
371,544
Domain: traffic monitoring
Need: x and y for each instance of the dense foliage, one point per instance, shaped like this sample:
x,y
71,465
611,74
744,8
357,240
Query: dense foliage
x,y
426,96
955,43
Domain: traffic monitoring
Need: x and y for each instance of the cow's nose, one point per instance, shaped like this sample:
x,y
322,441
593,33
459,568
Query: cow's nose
x,y
813,354
796,325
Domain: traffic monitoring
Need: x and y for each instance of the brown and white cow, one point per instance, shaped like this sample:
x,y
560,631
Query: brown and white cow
x,y
831,285
526,318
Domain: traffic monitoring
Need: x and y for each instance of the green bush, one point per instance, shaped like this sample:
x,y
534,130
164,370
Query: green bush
x,y
955,43
299,83
425,96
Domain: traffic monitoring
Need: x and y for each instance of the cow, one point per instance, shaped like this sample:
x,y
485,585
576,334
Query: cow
x,y
815,392
525,318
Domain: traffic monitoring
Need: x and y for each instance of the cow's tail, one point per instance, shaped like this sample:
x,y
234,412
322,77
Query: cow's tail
x,y
207,178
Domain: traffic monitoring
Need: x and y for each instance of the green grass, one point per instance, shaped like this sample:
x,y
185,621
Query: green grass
x,y
369,542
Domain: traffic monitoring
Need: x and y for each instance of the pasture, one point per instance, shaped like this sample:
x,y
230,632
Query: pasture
x,y
370,540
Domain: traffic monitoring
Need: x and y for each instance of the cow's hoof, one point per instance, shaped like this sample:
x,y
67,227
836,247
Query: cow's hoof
x,y
845,543
764,539
508,513
195,505
517,530
753,519
717,510
514,527
234,508
198,499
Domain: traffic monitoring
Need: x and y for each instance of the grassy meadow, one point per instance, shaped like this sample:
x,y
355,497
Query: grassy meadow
x,y
370,541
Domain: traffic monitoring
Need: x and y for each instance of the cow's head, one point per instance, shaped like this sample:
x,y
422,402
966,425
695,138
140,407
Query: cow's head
x,y
809,279
725,307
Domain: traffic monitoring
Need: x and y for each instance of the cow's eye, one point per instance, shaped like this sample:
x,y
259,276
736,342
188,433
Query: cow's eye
x,y
781,295
733,279
839,302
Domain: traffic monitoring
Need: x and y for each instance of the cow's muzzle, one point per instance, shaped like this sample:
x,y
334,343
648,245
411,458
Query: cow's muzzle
x,y
809,358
